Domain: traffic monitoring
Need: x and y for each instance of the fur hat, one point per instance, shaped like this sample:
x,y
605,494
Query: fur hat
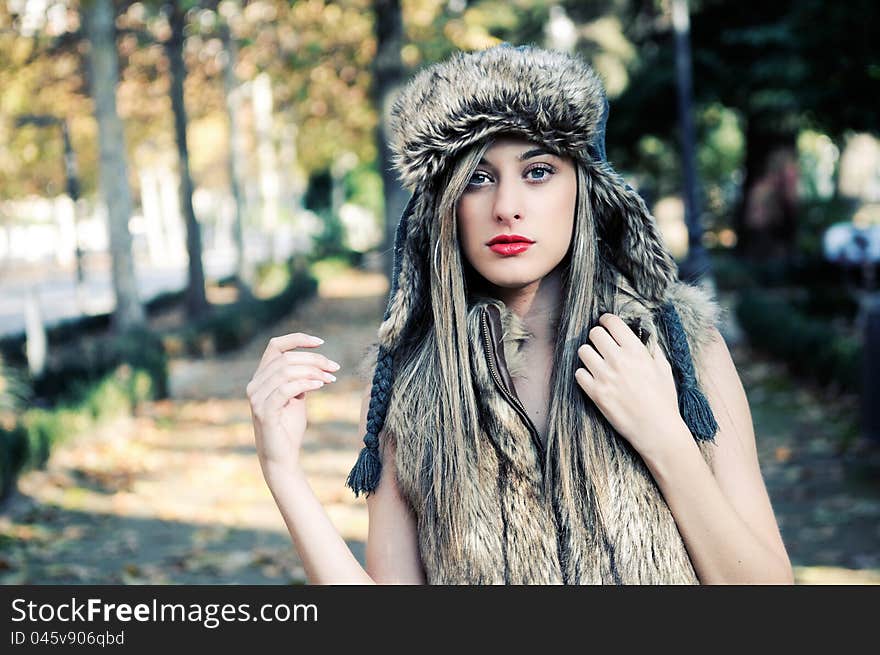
x,y
548,97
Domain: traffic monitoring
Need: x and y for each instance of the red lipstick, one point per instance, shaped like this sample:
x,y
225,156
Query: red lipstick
x,y
509,244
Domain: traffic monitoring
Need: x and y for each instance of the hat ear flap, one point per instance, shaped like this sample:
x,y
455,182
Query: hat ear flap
x,y
406,287
629,234
407,284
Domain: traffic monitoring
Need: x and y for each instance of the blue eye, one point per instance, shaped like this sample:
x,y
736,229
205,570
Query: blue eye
x,y
545,169
476,174
479,178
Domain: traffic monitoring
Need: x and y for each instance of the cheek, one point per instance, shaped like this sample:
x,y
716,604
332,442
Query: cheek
x,y
563,209
467,226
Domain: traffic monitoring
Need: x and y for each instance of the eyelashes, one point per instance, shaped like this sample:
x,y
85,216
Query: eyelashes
x,y
546,168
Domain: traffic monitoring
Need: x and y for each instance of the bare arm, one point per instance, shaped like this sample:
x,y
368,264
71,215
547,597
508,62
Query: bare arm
x,y
326,557
392,546
725,519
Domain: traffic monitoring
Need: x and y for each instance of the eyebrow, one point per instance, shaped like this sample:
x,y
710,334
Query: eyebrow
x,y
528,154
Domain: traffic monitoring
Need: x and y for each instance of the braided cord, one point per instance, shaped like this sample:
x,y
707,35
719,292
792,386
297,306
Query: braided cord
x,y
692,404
364,476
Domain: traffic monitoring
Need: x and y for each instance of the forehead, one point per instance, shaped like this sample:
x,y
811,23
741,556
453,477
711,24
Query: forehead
x,y
511,142
514,146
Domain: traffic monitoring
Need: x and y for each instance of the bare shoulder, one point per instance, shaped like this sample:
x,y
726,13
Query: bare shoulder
x,y
725,391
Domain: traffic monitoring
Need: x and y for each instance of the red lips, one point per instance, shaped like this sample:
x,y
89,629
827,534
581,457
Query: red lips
x,y
508,245
509,238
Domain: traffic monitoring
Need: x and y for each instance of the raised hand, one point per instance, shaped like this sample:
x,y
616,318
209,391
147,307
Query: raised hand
x,y
277,394
632,387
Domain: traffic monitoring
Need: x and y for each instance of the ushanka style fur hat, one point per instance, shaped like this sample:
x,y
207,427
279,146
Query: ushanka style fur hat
x,y
554,99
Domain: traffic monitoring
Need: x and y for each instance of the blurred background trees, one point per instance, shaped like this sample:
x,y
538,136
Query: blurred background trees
x,y
242,132
176,174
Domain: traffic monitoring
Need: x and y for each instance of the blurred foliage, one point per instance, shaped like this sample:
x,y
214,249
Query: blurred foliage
x,y
363,186
758,64
809,346
802,272
816,216
802,312
75,330
763,72
330,241
76,367
767,59
229,327
14,390
317,55
318,191
93,379
28,443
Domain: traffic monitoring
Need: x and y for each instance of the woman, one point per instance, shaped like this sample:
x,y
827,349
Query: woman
x,y
549,404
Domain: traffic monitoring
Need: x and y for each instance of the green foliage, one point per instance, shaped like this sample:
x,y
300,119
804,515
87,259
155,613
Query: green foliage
x,y
81,364
75,330
720,157
730,272
808,345
318,198
29,441
13,452
229,327
800,312
14,390
330,241
363,186
809,273
318,191
817,215
98,379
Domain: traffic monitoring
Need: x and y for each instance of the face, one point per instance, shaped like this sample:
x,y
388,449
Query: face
x,y
516,215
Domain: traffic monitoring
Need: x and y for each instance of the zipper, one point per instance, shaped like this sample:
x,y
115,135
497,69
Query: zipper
x,y
562,553
509,394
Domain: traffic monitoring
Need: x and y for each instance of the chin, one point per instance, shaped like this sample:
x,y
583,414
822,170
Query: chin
x,y
507,276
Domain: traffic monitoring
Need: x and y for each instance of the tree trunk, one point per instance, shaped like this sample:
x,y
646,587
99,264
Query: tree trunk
x,y
696,266
196,301
387,78
99,24
236,158
766,218
270,186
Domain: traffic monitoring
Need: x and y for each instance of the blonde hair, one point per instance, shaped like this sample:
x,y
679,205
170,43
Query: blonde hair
x,y
435,361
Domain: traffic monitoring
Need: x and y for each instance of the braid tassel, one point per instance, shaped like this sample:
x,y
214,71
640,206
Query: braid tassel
x,y
692,404
364,476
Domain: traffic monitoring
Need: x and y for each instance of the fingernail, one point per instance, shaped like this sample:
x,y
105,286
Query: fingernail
x,y
332,378
335,366
317,340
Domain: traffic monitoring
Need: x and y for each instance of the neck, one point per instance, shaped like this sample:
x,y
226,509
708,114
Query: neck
x,y
538,304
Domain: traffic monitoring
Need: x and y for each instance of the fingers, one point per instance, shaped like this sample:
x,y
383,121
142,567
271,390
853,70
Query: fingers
x,y
314,360
619,330
281,374
280,344
604,343
585,380
591,359
281,394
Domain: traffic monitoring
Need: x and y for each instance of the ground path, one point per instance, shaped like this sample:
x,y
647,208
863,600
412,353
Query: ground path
x,y
175,495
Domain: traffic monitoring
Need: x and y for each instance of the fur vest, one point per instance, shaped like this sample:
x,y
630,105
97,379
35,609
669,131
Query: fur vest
x,y
514,532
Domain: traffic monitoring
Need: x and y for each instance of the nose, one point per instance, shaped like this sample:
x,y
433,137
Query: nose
x,y
508,204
